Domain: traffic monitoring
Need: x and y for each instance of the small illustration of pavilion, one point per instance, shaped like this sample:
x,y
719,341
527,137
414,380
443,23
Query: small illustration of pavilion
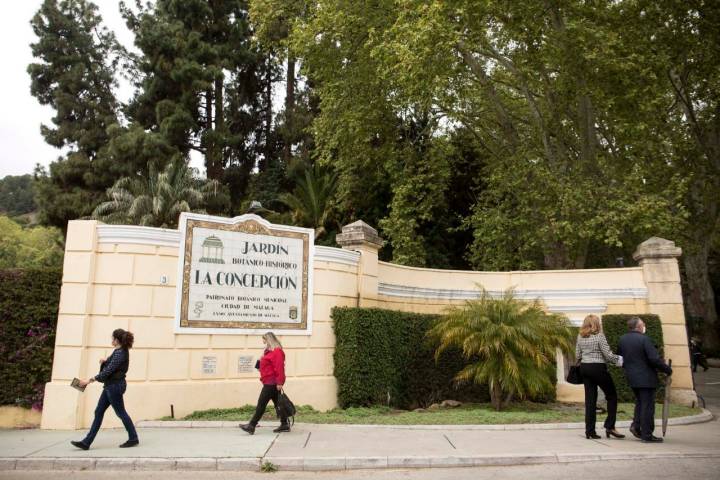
x,y
212,250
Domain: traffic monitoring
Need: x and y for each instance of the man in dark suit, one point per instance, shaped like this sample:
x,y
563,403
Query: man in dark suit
x,y
641,362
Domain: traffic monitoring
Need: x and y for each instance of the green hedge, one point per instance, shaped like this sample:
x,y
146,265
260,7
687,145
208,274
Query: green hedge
x,y
382,357
615,326
28,316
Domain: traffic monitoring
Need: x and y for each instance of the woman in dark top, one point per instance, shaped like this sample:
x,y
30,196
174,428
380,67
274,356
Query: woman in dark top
x,y
112,374
272,376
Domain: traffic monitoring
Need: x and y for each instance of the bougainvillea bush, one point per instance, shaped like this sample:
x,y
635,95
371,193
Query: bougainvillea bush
x,y
28,315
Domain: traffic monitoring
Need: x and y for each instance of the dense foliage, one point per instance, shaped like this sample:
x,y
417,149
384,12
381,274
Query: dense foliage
x,y
474,133
16,195
28,313
29,247
156,200
382,357
614,327
385,357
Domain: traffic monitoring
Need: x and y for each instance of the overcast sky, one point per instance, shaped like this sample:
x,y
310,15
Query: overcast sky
x,y
21,145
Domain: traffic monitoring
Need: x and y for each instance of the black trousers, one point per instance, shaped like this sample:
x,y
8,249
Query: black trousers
x,y
268,392
698,359
596,375
644,417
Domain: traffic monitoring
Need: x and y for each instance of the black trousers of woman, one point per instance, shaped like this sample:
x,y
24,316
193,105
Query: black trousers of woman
x,y
596,375
268,392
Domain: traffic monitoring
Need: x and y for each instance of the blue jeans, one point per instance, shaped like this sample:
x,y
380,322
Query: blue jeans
x,y
111,395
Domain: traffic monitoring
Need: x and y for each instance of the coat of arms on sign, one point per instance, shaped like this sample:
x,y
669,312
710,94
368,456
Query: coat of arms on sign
x,y
198,308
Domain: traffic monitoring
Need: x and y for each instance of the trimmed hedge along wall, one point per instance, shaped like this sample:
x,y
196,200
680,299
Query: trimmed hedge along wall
x,y
382,357
614,327
28,315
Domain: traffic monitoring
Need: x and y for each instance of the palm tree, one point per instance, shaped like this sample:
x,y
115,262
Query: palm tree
x,y
510,343
311,201
158,199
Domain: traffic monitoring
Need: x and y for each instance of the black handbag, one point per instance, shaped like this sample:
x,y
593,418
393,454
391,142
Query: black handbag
x,y
285,408
574,376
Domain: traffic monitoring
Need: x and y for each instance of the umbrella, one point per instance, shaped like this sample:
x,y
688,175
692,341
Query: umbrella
x,y
666,403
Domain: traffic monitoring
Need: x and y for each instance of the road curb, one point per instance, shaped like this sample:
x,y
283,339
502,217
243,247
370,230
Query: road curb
x,y
324,463
703,417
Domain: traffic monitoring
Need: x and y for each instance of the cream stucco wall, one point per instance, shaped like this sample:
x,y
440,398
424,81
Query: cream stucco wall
x,y
125,277
111,283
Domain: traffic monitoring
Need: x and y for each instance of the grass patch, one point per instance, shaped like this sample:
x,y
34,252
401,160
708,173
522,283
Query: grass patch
x,y
467,414
268,467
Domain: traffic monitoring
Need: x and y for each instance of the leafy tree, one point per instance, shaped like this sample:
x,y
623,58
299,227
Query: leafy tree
x,y
16,195
511,344
157,199
311,200
379,148
35,247
677,44
537,85
75,77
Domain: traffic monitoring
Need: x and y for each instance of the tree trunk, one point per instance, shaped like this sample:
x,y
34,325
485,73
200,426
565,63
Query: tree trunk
x,y
556,257
217,160
700,295
210,147
496,395
268,114
289,109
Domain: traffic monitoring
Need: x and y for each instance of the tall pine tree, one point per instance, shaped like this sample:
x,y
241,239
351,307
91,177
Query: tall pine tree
x,y
74,75
199,85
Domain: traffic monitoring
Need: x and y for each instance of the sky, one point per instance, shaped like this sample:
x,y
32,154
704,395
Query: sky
x,y
21,144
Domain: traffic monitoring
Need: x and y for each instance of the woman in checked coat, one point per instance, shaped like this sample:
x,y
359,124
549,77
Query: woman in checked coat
x,y
593,353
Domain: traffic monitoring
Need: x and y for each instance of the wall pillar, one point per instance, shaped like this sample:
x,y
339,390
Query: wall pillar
x,y
62,404
658,259
361,237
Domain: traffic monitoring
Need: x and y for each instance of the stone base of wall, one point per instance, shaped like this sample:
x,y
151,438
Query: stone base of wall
x,y
18,417
152,400
684,396
569,393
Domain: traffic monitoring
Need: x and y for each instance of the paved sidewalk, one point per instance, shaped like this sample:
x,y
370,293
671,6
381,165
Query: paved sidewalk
x,y
212,446
335,447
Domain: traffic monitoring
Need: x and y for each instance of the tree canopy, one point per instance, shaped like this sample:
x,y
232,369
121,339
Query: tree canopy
x,y
483,134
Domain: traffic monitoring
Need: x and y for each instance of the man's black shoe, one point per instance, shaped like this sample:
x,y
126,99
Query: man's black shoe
x,y
635,432
249,428
130,443
80,445
652,439
282,428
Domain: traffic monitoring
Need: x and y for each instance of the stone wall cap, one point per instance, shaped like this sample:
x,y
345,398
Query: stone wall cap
x,y
358,233
656,247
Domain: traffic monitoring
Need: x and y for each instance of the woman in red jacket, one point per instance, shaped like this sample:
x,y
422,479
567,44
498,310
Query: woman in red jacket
x,y
272,376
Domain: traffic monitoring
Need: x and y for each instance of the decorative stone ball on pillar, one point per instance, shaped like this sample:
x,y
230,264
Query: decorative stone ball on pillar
x,y
658,259
361,237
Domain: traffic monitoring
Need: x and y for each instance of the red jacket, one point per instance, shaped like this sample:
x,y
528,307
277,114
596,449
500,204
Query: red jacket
x,y
272,367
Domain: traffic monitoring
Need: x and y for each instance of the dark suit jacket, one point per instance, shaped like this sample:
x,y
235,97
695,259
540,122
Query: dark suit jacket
x,y
641,360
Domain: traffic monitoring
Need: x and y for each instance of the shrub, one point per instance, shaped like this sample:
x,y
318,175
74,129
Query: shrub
x,y
28,315
614,327
382,357
509,344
